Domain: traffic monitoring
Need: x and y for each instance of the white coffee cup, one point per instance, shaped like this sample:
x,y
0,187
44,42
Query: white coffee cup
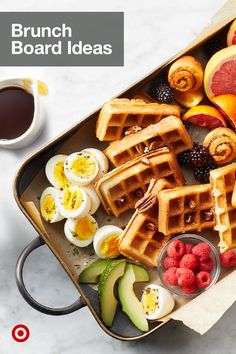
x,y
32,86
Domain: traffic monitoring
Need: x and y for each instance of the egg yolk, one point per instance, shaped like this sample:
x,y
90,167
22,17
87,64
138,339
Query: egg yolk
x,y
59,175
84,229
109,247
150,301
72,199
83,166
48,208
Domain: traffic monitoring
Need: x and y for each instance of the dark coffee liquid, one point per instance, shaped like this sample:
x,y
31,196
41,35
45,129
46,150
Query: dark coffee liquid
x,y
16,112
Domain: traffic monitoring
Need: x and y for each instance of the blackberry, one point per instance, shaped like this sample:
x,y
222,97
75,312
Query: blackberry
x,y
213,45
184,157
199,155
161,91
202,174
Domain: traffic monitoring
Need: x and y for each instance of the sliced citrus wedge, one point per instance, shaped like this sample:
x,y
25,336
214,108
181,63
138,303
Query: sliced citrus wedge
x,y
231,36
205,116
189,99
227,106
220,73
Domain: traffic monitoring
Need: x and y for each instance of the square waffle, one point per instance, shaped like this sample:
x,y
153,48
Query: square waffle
x,y
141,240
223,183
122,187
169,132
121,113
185,209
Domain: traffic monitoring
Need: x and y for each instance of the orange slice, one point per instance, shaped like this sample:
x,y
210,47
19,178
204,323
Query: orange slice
x,y
205,116
220,73
231,36
227,106
189,99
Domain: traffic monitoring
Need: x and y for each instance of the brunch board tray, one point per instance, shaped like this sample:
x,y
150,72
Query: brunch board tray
x,y
31,181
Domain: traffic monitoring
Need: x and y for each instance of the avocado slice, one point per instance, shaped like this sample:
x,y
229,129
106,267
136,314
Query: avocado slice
x,y
113,271
129,301
91,273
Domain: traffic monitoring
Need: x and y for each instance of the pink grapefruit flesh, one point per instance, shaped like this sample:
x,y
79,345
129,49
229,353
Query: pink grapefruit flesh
x,y
231,36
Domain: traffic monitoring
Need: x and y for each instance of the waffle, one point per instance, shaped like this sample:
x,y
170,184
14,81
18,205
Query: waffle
x,y
121,188
184,209
223,186
121,113
169,132
141,240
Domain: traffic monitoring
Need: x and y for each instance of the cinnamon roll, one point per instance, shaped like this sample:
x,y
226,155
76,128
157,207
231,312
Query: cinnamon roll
x,y
186,74
221,143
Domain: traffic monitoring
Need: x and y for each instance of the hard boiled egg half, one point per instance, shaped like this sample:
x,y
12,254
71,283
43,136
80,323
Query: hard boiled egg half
x,y
74,202
81,168
49,205
101,159
94,200
55,173
81,231
106,241
157,301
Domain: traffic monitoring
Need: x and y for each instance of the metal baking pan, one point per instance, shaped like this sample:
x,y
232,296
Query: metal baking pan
x,y
80,136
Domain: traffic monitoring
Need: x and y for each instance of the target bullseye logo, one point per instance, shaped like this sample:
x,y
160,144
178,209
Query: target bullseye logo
x,y
20,333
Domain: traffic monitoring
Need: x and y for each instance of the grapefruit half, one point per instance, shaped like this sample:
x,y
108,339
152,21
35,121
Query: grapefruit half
x,y
220,73
231,36
205,116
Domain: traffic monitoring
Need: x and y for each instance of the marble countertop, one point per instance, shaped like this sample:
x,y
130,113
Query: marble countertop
x,y
154,30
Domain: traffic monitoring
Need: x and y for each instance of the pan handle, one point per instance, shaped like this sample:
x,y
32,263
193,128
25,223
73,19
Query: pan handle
x,y
33,245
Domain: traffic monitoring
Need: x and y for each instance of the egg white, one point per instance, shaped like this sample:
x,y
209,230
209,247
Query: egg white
x,y
165,302
101,159
101,235
82,210
49,169
74,178
55,193
69,228
94,200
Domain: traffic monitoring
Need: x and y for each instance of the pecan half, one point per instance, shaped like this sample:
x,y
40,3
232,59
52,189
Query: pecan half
x,y
139,148
147,202
153,146
192,204
151,226
188,219
132,130
207,215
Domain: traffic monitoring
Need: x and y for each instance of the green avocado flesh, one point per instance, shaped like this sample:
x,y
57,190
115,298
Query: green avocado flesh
x,y
91,273
108,303
130,303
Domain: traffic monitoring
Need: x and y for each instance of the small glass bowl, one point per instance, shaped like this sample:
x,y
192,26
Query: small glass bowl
x,y
194,239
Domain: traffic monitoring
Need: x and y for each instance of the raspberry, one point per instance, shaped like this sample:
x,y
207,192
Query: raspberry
x,y
203,279
170,262
189,289
206,265
189,261
176,249
228,258
200,155
185,276
170,277
202,251
188,248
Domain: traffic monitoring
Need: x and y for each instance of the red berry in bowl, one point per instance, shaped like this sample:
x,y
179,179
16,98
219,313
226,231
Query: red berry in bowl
x,y
189,261
228,259
189,289
202,251
185,276
176,249
170,277
206,265
170,262
203,279
188,248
